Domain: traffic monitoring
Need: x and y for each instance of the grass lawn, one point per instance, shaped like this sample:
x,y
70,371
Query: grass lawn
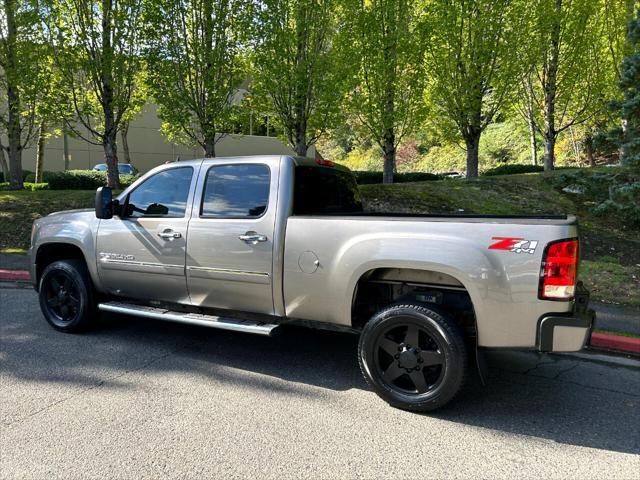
x,y
19,209
610,249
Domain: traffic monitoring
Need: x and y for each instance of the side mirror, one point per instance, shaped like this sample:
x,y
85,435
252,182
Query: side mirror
x,y
104,203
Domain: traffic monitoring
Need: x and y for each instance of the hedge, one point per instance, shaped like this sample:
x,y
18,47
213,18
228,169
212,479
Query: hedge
x,y
27,186
80,179
512,169
368,178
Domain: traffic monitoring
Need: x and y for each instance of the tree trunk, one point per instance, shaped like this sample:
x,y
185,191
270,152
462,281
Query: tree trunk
x,y
210,147
111,159
389,150
15,154
472,142
3,165
550,88
301,146
65,150
13,99
124,135
588,147
549,142
622,150
40,153
533,141
109,140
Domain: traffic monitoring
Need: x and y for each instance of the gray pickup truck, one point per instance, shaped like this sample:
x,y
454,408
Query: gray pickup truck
x,y
254,243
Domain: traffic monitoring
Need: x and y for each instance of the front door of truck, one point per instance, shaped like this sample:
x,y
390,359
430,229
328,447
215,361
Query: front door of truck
x,y
142,255
230,244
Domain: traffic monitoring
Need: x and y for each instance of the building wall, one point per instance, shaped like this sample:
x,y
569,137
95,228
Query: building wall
x,y
149,148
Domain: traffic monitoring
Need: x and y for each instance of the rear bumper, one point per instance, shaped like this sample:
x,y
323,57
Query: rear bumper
x,y
567,332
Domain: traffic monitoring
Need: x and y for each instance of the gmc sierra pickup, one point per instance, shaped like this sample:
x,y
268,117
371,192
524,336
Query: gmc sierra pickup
x,y
253,243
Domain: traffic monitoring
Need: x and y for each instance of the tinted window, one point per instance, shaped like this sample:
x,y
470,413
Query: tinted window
x,y
164,194
325,190
240,191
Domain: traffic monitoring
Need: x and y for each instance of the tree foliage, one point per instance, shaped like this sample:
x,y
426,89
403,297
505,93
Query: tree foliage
x,y
97,50
474,54
565,75
299,74
196,62
629,106
386,50
25,81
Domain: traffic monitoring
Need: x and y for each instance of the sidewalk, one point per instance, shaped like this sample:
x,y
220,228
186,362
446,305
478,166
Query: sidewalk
x,y
613,319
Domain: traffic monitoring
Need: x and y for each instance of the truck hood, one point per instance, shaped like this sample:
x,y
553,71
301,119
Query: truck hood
x,y
85,216
70,213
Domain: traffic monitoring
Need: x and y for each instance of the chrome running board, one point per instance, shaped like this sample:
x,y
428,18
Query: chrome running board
x,y
223,323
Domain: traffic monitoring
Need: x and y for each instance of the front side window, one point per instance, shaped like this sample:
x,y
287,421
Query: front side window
x,y
165,194
236,191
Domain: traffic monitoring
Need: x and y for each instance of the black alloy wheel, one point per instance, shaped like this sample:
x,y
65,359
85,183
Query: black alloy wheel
x,y
413,357
66,297
409,359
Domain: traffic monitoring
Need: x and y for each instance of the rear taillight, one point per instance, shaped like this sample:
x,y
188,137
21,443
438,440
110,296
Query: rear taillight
x,y
559,270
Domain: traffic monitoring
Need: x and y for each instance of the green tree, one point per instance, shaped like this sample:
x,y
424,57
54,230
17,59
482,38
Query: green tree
x,y
566,74
24,82
629,106
196,64
298,71
474,57
383,39
97,51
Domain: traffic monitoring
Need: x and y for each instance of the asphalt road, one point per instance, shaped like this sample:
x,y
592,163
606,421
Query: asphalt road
x,y
143,399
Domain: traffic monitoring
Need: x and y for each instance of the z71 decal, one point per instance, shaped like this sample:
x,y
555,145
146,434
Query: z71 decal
x,y
513,244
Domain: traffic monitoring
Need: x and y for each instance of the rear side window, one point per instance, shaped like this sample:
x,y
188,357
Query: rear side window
x,y
236,191
164,194
319,190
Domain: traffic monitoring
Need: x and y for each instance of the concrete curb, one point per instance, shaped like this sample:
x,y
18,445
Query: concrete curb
x,y
14,276
615,342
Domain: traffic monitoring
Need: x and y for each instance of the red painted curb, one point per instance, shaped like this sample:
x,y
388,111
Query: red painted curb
x,y
14,275
615,342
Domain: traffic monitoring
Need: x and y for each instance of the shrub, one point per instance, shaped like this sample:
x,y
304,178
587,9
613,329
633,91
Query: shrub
x,y
368,178
27,186
82,180
36,186
512,169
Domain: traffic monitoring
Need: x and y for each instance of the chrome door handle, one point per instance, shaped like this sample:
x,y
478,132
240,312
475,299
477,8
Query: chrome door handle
x,y
169,235
252,238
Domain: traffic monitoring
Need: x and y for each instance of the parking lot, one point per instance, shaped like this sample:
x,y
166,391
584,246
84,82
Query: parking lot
x,y
142,399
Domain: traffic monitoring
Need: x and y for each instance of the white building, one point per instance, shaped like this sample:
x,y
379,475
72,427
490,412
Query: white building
x,y
148,147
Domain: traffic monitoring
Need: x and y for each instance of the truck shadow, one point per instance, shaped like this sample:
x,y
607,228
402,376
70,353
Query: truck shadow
x,y
521,397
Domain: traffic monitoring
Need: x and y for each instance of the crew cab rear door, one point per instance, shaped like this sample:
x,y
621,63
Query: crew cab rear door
x,y
230,242
142,255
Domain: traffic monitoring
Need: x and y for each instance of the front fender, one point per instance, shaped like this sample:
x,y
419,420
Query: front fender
x,y
77,229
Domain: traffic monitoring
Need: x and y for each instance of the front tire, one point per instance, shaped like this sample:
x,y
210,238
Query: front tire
x,y
413,357
66,296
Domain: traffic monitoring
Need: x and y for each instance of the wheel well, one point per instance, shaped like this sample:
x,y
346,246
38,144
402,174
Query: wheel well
x,y
51,252
381,287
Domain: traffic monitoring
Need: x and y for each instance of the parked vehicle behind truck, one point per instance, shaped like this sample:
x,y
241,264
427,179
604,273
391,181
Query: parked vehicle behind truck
x,y
254,243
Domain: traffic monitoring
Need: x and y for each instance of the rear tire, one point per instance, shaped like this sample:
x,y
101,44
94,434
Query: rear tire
x,y
413,357
66,296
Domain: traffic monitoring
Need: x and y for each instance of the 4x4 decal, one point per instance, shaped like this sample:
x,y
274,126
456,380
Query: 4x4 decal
x,y
514,244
